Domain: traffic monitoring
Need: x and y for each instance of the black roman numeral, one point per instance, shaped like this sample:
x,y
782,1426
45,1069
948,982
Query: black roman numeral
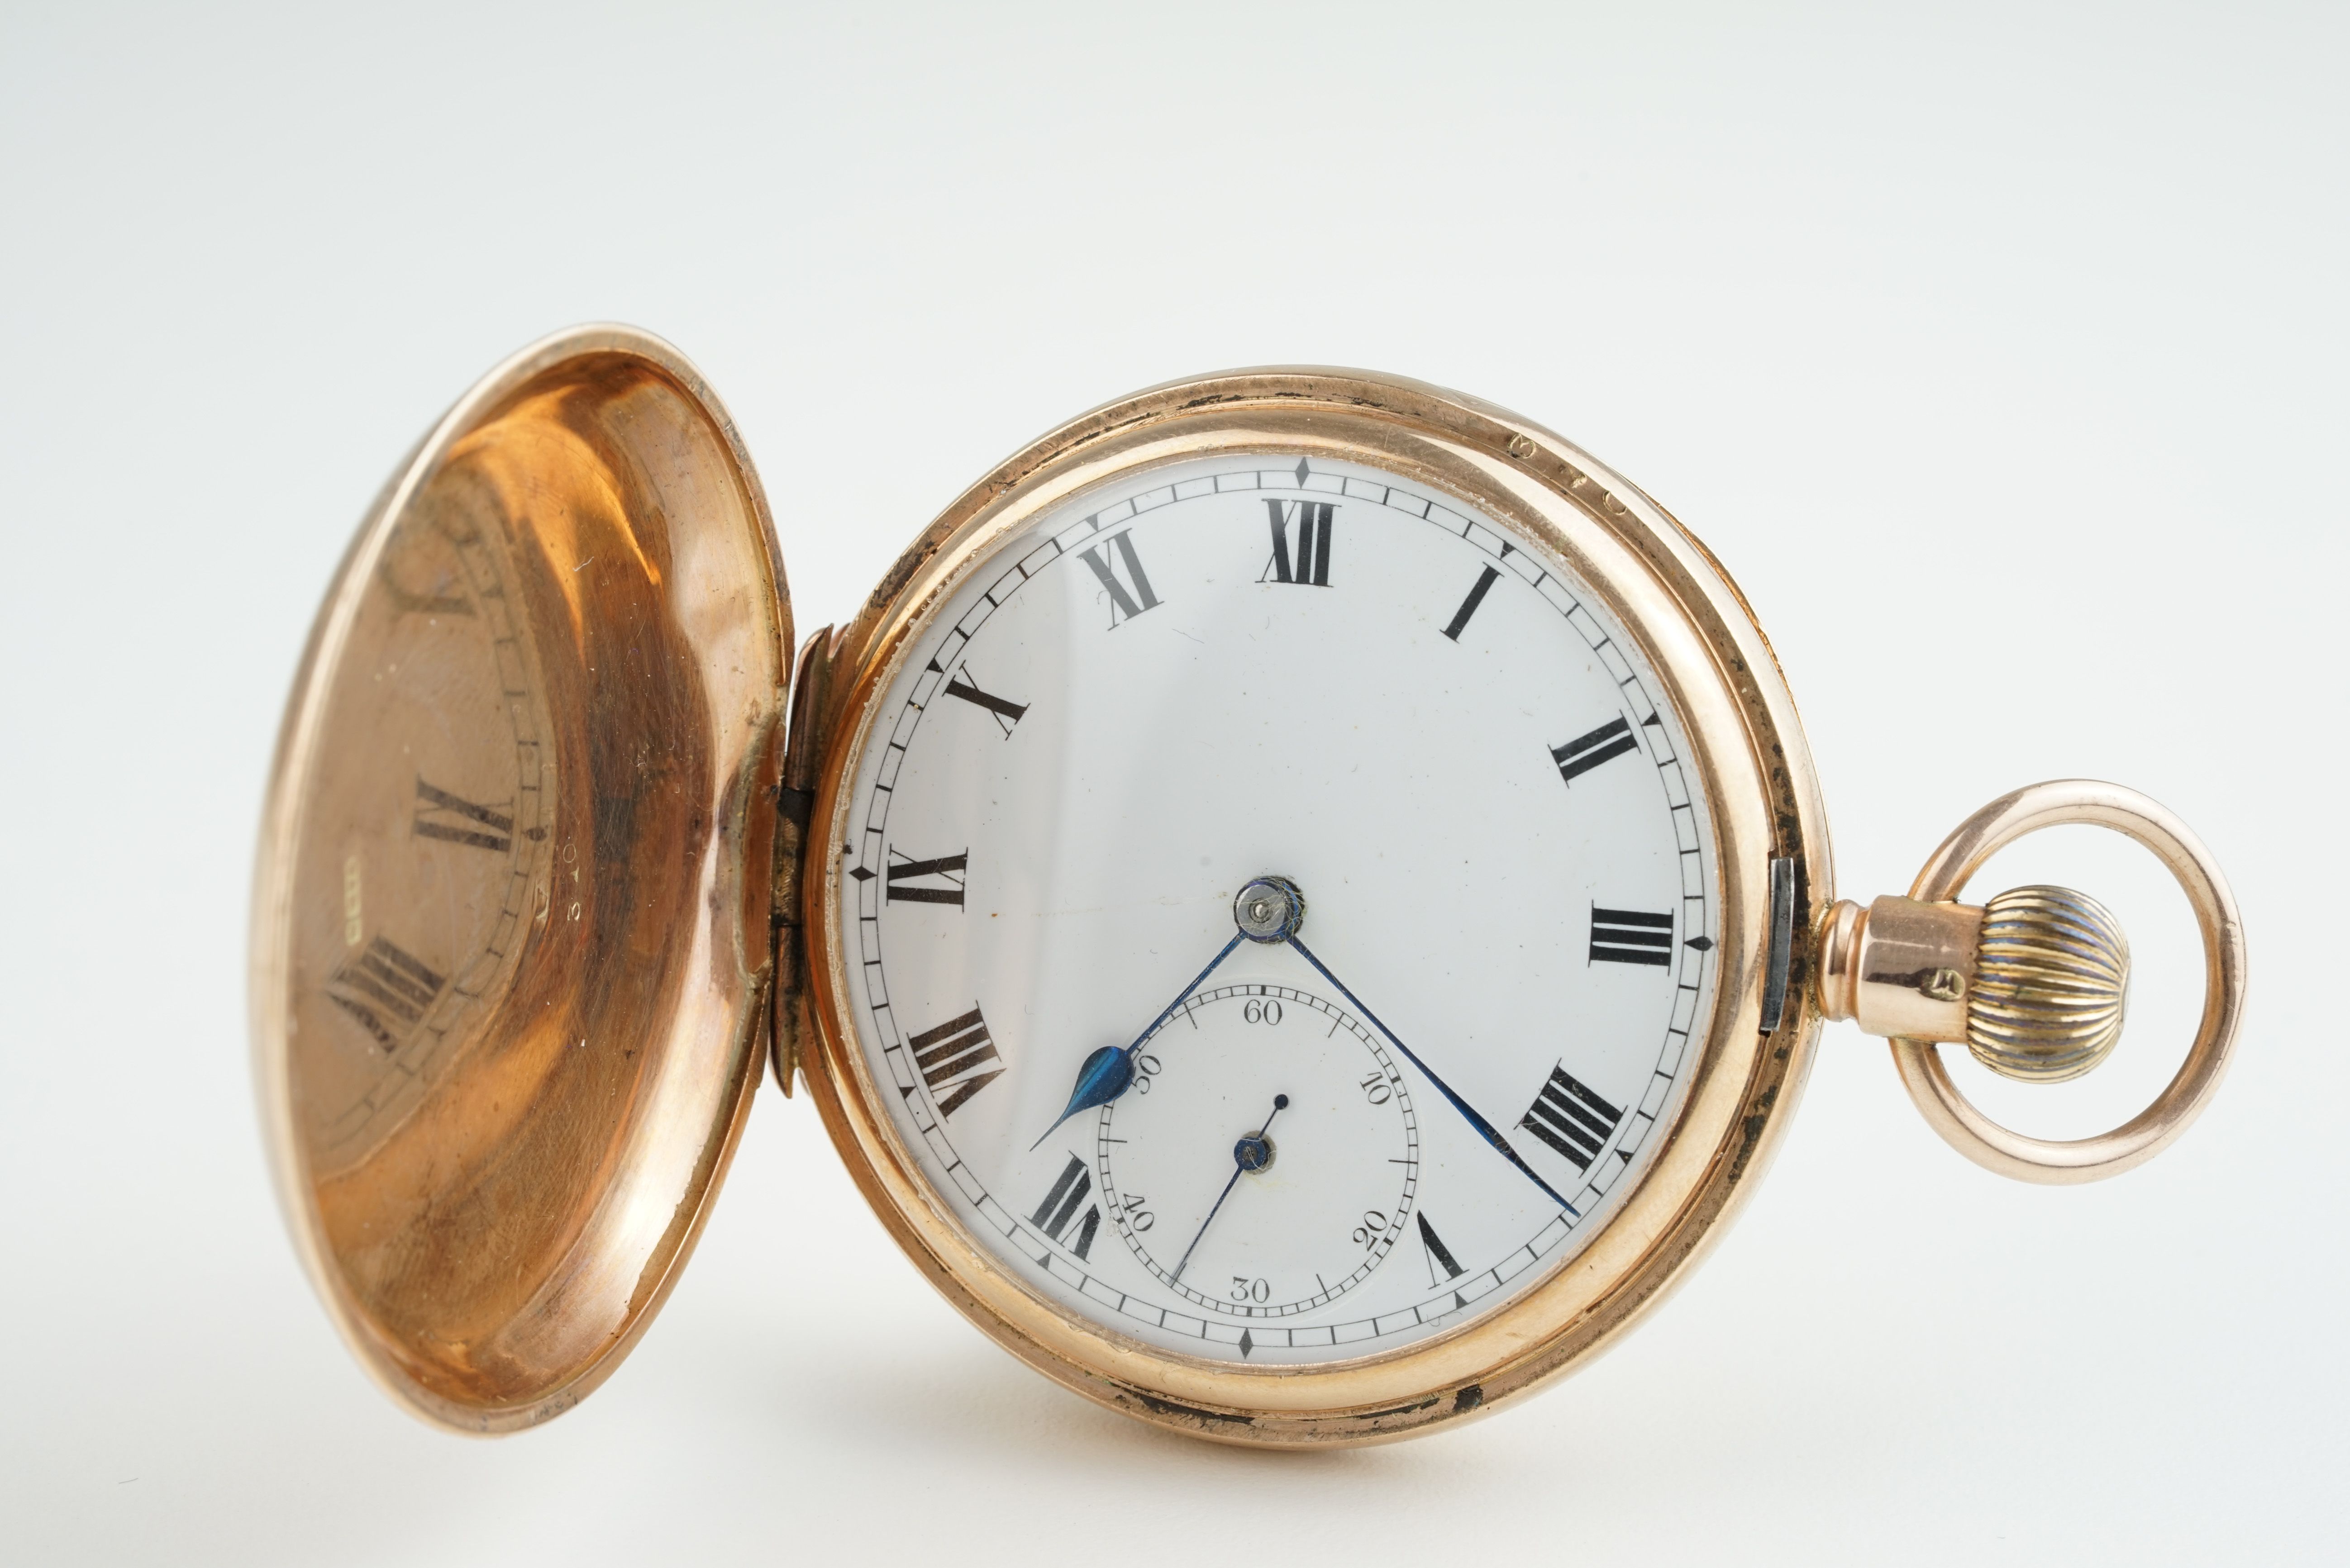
x,y
1585,753
954,1048
1310,563
1572,1119
1439,1256
1006,712
1485,581
1060,1205
452,820
383,987
948,869
1123,606
1627,935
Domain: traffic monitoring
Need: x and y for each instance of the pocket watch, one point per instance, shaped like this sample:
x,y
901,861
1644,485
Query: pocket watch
x,y
1301,898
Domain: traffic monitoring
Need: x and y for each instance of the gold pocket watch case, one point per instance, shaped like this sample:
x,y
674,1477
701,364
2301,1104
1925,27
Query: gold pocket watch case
x,y
546,875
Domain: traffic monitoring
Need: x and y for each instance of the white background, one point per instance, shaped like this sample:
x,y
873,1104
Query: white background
x,y
1998,353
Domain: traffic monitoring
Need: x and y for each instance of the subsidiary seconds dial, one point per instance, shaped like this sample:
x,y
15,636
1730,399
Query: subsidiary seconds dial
x,y
1268,1164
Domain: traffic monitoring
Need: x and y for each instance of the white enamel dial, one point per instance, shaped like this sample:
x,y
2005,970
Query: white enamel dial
x,y
1324,1145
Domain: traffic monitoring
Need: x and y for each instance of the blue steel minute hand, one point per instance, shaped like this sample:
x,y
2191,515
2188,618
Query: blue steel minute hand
x,y
1485,1129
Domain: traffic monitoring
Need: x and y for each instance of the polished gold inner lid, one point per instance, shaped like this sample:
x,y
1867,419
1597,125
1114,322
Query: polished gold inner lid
x,y
512,936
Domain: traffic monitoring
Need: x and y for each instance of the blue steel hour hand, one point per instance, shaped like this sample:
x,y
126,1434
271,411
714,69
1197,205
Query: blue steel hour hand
x,y
1268,909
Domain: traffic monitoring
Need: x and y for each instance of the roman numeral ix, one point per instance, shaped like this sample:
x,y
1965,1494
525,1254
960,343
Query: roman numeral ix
x,y
1570,1117
1310,563
452,820
384,986
1123,605
1585,753
942,1055
1060,1205
905,879
1627,935
1006,712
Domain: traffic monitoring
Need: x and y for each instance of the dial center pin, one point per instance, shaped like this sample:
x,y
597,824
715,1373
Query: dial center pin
x,y
1255,1151
1269,910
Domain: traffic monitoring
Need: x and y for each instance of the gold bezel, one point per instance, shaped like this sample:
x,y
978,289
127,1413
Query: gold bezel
x,y
1702,640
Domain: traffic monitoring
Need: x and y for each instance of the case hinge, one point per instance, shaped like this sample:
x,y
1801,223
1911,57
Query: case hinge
x,y
795,799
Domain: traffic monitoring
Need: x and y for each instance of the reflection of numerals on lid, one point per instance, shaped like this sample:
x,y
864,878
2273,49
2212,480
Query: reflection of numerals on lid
x,y
431,600
385,986
453,820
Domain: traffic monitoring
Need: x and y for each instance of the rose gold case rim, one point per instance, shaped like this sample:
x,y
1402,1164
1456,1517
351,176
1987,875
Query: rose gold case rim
x,y
1407,1390
281,819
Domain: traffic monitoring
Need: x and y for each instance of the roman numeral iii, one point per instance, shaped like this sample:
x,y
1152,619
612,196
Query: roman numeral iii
x,y
951,1059
1570,1117
906,879
1060,1205
1123,605
451,820
1585,753
382,987
1310,562
1628,936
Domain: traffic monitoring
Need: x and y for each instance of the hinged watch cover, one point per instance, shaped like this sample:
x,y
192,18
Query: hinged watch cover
x,y
502,1071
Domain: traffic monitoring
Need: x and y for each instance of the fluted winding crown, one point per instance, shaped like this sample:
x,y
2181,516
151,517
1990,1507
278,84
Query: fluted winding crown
x,y
2052,978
